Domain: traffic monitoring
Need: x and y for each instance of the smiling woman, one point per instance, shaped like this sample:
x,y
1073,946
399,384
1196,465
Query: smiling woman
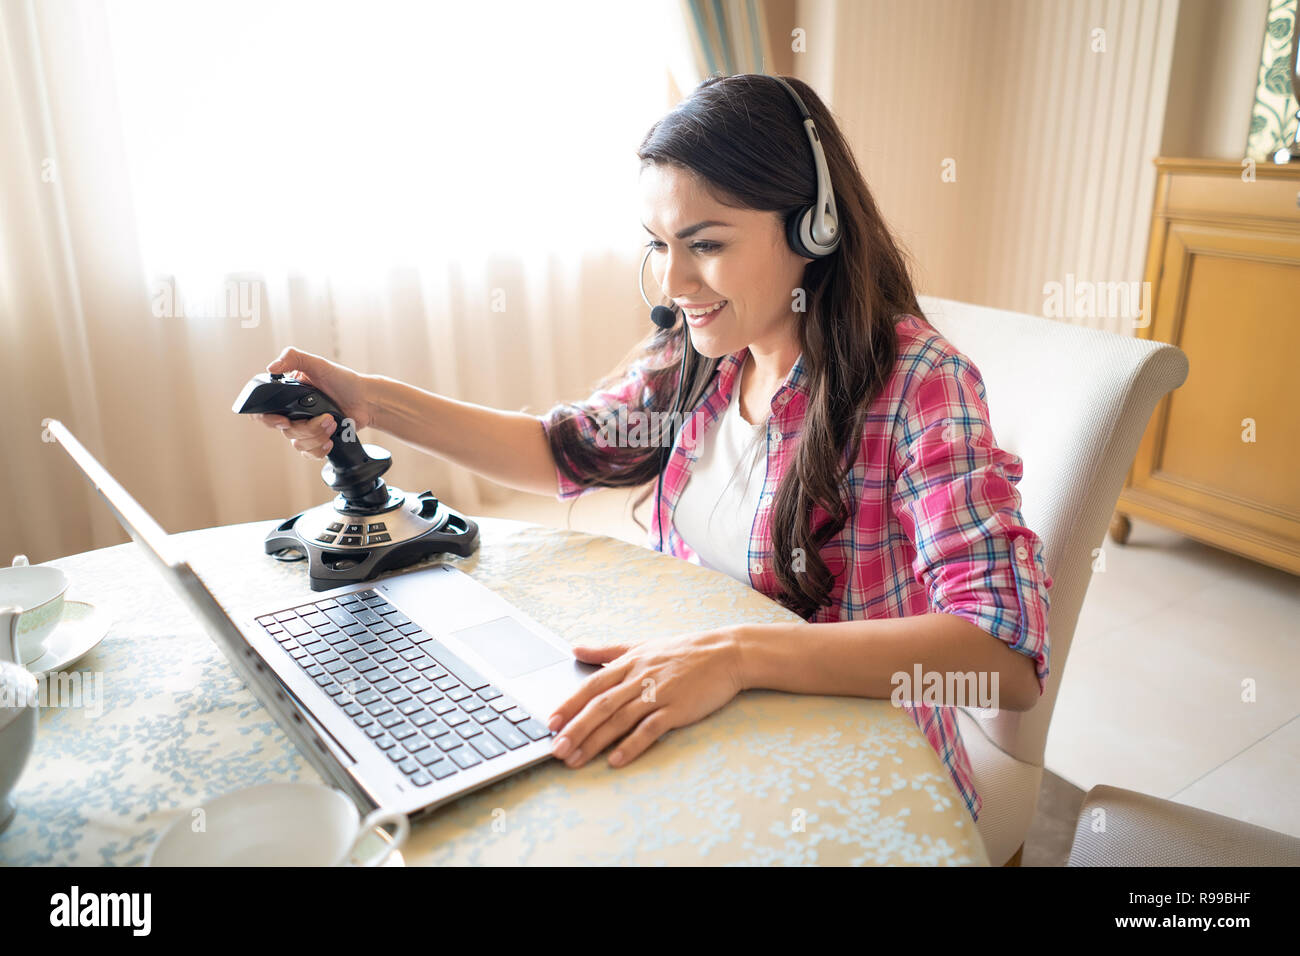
x,y
877,505
724,156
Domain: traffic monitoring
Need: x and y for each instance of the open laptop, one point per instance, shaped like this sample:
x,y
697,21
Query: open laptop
x,y
404,692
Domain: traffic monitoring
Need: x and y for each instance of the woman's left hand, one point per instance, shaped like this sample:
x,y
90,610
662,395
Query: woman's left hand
x,y
643,691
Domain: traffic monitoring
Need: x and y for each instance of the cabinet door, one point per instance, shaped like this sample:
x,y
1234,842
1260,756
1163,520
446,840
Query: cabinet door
x,y
1221,457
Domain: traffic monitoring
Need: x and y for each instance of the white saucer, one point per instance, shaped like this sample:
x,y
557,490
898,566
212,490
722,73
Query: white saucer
x,y
276,824
78,632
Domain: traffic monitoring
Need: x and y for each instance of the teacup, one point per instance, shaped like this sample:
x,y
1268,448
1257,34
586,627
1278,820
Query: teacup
x,y
38,591
277,824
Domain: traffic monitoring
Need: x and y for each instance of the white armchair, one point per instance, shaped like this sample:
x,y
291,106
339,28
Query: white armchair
x,y
1118,827
1073,403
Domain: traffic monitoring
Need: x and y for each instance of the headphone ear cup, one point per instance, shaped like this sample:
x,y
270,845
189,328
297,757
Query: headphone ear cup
x,y
798,232
794,224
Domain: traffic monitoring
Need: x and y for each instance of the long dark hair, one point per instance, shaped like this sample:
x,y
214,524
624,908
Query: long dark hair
x,y
743,136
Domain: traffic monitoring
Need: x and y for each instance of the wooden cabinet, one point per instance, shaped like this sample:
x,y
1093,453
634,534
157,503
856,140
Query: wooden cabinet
x,y
1220,460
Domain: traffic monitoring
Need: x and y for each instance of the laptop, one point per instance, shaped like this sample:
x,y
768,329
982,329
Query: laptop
x,y
405,691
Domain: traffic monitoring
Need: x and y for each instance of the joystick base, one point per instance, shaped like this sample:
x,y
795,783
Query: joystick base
x,y
344,547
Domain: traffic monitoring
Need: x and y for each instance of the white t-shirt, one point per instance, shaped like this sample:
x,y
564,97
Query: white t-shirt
x,y
715,512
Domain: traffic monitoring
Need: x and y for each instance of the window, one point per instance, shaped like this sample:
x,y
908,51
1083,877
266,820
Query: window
x,y
335,137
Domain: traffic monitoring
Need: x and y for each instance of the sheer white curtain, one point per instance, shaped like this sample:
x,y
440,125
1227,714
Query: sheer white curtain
x,y
441,193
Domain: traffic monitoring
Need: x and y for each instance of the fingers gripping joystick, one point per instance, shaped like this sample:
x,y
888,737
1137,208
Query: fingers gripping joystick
x,y
352,469
369,527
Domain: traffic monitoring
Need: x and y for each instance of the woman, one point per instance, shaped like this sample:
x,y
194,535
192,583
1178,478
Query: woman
x,y
835,452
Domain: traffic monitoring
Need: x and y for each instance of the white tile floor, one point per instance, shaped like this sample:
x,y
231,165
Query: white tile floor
x,y
1152,698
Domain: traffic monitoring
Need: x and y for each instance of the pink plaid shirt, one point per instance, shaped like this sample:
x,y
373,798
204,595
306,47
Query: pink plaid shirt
x,y
937,524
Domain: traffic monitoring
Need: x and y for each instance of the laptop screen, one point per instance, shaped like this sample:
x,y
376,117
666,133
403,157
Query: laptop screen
x,y
312,739
134,519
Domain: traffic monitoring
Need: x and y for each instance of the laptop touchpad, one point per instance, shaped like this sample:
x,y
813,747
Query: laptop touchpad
x,y
509,646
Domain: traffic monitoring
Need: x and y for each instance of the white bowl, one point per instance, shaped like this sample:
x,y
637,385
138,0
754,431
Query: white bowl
x,y
38,591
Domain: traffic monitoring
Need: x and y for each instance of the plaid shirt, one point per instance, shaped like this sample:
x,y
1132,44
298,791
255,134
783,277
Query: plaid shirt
x,y
936,526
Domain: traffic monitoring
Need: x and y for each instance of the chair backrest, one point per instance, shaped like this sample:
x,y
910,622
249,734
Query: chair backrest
x,y
1073,403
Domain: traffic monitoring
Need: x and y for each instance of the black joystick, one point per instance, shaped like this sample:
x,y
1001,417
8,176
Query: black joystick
x,y
369,527
351,469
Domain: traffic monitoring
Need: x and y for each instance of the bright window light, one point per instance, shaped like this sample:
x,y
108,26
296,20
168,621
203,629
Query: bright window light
x,y
342,137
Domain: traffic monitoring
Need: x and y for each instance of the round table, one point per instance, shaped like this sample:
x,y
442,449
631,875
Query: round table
x,y
164,725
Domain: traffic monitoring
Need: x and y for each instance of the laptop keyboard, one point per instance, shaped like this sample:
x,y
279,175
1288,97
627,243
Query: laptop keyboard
x,y
431,713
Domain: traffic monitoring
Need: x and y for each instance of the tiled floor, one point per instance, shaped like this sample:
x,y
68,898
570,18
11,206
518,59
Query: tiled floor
x,y
1155,696
1172,637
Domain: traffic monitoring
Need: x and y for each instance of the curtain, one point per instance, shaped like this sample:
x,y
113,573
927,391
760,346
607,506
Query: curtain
x,y
423,191
1273,116
720,36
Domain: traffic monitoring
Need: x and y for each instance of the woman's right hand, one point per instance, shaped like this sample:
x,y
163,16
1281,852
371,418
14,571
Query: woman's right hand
x,y
349,390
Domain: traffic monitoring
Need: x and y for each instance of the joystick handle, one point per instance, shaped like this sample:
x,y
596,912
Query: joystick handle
x,y
351,471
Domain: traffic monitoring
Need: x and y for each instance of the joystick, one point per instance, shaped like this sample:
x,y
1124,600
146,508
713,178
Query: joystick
x,y
352,469
369,527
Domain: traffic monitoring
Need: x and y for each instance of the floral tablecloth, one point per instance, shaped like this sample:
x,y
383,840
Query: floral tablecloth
x,y
164,724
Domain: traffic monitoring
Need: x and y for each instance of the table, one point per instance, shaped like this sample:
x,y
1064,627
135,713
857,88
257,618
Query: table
x,y
771,778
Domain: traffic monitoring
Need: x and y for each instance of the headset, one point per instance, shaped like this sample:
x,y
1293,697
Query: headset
x,y
812,231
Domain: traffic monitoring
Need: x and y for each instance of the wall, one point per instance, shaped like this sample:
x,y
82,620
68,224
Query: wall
x,y
1212,84
1051,141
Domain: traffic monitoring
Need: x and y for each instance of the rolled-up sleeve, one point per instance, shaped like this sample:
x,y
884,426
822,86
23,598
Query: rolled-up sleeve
x,y
597,418
955,495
